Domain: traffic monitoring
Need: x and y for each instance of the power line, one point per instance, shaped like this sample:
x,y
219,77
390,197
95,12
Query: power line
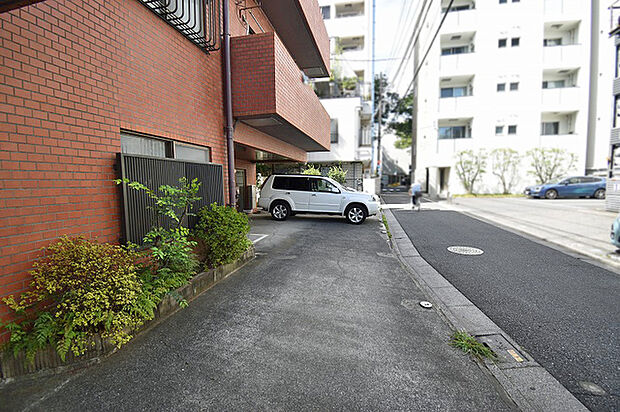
x,y
397,45
413,40
417,71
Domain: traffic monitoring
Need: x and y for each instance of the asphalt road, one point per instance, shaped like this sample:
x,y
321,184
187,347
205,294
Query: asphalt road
x,y
560,309
323,319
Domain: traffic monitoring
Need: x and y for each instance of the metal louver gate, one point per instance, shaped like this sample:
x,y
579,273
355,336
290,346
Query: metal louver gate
x,y
138,213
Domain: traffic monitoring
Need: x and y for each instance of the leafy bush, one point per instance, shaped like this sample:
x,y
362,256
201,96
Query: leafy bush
x,y
339,175
170,247
80,288
223,232
311,170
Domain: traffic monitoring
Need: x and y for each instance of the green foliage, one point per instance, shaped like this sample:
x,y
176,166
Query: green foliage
x,y
349,83
505,165
336,173
468,344
385,224
80,288
550,163
470,167
397,111
223,231
311,170
172,198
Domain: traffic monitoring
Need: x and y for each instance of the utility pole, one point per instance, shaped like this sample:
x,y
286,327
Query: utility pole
x,y
379,159
372,94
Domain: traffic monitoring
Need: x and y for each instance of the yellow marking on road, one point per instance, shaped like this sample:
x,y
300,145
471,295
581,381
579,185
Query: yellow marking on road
x,y
515,355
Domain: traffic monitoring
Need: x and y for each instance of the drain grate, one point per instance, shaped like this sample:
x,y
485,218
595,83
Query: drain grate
x,y
465,250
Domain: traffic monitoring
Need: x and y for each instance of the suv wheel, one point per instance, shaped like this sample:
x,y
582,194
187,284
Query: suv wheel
x,y
355,214
280,210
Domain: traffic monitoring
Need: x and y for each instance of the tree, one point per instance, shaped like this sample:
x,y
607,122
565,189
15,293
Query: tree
x,y
470,167
504,165
396,113
550,163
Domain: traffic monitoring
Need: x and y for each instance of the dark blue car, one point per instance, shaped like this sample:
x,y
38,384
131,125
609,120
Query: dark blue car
x,y
577,186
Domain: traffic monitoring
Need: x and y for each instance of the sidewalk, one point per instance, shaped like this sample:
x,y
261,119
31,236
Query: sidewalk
x,y
325,318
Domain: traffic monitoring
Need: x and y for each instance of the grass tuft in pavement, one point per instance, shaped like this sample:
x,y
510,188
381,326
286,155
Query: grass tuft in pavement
x,y
385,223
468,344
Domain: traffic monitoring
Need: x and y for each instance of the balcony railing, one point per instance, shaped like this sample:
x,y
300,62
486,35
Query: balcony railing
x,y
569,55
461,106
457,64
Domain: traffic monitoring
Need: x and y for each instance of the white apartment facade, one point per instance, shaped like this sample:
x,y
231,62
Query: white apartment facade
x,y
346,96
508,74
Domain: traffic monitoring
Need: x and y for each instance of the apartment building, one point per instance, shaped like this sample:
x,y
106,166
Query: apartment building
x,y
509,74
86,83
346,94
612,200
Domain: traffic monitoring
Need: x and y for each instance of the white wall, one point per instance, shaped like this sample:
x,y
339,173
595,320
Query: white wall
x,y
491,65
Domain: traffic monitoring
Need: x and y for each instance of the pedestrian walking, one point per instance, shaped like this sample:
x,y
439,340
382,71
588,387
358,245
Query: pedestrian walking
x,y
415,191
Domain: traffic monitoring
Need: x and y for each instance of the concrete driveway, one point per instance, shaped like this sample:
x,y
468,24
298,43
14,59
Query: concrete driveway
x,y
324,318
582,225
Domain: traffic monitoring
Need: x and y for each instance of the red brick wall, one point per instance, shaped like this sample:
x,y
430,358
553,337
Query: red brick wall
x,y
72,74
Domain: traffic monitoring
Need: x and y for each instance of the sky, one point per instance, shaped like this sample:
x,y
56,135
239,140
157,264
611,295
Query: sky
x,y
393,28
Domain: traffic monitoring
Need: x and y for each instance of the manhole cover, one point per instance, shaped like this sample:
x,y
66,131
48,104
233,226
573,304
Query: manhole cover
x,y
426,305
465,250
592,388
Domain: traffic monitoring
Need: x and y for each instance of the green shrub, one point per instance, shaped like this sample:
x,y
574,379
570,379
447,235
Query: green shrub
x,y
80,288
223,232
311,170
339,175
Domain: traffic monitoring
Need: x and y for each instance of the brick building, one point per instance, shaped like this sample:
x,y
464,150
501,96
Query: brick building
x,y
81,81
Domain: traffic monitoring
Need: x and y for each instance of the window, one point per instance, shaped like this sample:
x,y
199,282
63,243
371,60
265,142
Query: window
x,y
516,1
454,91
501,87
512,129
325,11
145,146
454,50
149,146
502,1
550,128
458,8
453,132
617,111
291,183
553,84
333,133
499,130
192,153
514,86
552,42
514,42
322,185
501,43
197,20
617,61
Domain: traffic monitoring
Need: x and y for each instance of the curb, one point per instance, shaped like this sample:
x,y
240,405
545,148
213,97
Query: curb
x,y
47,362
525,381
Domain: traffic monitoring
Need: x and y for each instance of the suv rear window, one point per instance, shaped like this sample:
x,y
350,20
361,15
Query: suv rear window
x,y
290,183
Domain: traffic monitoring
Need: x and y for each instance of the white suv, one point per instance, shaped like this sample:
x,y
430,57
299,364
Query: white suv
x,y
285,195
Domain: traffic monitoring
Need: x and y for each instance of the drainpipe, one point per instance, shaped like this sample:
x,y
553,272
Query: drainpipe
x,y
228,127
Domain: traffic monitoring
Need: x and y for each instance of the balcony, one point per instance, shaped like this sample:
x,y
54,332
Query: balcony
x,y
456,106
562,99
461,21
269,93
300,25
564,56
346,26
565,9
457,64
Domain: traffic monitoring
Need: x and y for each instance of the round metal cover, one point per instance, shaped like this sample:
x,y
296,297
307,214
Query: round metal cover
x,y
465,250
426,305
